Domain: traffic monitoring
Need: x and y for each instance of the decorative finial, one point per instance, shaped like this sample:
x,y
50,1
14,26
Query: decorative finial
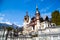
x,y
26,12
36,6
37,11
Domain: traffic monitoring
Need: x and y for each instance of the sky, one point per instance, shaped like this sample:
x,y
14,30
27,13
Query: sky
x,y
13,11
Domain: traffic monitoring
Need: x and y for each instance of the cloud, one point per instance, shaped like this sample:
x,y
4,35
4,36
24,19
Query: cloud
x,y
2,14
17,23
47,8
1,18
5,20
8,23
46,14
58,9
43,10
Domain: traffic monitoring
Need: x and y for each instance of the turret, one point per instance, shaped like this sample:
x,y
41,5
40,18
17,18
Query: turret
x,y
26,18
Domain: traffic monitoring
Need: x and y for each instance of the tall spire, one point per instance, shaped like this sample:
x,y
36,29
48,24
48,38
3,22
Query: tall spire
x,y
37,11
36,8
26,13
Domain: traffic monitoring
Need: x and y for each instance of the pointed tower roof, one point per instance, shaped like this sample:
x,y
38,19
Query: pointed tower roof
x,y
37,11
27,14
36,7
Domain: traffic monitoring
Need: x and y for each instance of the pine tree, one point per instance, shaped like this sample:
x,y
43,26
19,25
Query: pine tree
x,y
55,17
58,20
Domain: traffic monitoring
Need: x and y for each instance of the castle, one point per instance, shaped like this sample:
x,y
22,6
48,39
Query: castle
x,y
35,23
35,28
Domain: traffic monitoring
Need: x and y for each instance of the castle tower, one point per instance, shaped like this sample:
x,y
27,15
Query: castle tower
x,y
26,24
37,15
26,18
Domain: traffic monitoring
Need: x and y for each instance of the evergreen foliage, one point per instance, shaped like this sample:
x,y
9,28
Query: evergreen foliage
x,y
56,17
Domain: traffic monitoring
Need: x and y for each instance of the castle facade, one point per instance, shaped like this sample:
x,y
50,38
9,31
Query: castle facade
x,y
35,23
